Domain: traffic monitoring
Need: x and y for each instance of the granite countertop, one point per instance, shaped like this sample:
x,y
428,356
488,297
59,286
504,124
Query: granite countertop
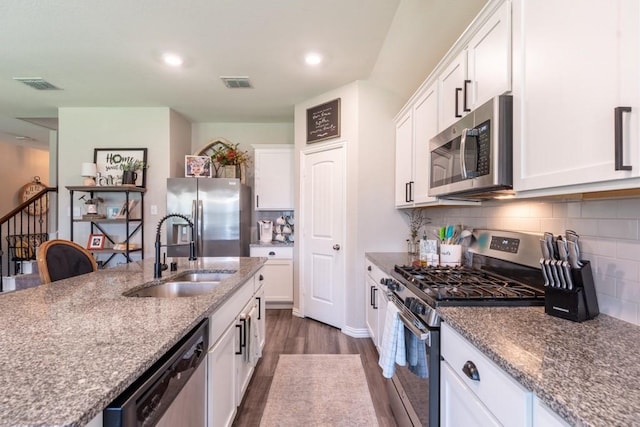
x,y
67,349
586,372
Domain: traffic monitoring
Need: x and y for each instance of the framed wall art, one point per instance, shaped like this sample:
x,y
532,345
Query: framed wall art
x,y
109,163
197,166
323,121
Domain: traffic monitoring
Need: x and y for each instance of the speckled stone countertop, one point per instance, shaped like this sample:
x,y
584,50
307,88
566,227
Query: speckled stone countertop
x,y
67,349
586,372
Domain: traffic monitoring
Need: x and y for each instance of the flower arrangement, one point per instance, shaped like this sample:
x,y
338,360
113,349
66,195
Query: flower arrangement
x,y
229,155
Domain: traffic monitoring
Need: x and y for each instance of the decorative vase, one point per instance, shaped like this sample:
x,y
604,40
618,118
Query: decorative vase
x,y
129,178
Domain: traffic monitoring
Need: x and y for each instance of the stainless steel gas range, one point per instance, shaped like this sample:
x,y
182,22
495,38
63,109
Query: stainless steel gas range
x,y
502,269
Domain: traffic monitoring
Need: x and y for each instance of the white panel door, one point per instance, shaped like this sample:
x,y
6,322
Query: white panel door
x,y
323,213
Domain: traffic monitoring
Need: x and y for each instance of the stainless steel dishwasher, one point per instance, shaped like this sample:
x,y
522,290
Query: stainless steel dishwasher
x,y
172,392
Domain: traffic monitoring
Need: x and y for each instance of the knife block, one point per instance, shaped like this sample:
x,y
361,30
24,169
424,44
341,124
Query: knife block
x,y
578,304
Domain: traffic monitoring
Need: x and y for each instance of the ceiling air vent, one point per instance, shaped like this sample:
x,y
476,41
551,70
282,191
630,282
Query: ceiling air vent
x,y
236,82
36,83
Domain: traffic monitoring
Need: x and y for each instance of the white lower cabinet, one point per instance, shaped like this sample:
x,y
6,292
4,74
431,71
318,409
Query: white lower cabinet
x,y
277,273
376,303
492,398
543,416
230,337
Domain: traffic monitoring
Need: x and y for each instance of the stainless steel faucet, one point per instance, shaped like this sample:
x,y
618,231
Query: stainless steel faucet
x,y
158,266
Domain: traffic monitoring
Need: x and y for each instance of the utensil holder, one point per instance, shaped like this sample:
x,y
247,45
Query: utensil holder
x,y
578,304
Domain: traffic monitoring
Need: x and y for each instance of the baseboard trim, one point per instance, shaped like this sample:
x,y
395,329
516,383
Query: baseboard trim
x,y
356,332
296,312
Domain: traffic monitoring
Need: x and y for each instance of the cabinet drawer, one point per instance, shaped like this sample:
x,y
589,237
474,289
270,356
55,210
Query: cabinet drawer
x,y
272,252
374,272
503,396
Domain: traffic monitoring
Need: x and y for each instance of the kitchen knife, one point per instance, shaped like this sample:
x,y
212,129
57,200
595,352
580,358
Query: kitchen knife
x,y
543,246
548,237
572,247
572,236
547,267
564,260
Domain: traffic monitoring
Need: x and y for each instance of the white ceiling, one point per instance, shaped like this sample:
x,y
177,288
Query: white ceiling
x,y
107,53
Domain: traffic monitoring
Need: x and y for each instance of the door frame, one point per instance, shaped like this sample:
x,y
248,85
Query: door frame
x,y
300,237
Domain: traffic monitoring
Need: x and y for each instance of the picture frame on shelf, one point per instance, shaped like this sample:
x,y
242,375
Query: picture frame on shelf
x,y
108,161
113,212
96,241
197,166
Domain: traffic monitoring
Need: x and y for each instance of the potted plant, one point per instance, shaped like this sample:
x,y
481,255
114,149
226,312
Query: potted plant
x,y
130,168
417,219
228,161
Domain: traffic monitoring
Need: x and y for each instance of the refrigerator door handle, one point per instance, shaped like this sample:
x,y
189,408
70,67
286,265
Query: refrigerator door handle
x,y
200,226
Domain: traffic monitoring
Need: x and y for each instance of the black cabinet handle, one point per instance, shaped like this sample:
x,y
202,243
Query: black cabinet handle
x,y
465,107
371,288
240,336
257,201
368,268
471,371
271,253
261,277
458,90
619,133
259,307
411,191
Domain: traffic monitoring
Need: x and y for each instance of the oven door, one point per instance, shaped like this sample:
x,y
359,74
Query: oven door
x,y
415,400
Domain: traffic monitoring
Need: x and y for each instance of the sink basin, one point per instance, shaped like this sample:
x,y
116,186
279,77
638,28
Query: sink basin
x,y
215,276
184,285
175,289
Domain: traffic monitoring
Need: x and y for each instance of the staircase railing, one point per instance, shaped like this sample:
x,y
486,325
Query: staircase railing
x,y
22,233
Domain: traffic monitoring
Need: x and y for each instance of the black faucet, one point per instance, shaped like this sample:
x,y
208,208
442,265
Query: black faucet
x,y
158,266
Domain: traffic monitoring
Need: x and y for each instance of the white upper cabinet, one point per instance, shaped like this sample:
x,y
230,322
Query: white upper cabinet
x,y
574,68
480,71
413,131
273,177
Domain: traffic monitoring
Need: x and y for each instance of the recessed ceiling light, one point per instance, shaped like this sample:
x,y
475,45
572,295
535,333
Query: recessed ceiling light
x,y
313,58
172,59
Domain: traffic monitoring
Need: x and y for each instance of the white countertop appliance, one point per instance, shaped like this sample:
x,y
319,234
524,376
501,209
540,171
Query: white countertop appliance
x,y
265,230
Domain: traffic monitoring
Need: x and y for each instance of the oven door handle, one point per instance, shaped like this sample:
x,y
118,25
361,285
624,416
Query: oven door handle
x,y
409,319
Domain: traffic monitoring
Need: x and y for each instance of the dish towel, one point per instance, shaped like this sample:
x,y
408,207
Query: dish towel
x,y
254,351
416,355
392,349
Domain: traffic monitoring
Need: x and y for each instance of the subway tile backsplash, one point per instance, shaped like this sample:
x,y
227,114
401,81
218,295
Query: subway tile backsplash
x,y
610,239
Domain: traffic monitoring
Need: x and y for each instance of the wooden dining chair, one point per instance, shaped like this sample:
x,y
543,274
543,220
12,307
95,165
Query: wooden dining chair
x,y
60,259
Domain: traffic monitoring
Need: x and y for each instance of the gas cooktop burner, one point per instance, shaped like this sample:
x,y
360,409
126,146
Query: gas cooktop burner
x,y
463,285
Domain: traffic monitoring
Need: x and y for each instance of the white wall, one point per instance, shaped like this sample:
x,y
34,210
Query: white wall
x,y
371,221
19,166
610,239
83,129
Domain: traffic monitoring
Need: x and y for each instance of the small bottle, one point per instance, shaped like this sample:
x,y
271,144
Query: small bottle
x,y
423,250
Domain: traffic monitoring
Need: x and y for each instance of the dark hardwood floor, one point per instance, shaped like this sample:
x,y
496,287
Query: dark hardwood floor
x,y
287,334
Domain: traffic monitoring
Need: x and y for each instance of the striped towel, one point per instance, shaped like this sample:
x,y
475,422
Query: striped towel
x,y
392,349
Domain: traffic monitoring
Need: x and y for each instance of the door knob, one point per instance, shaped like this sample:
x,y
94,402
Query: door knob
x,y
336,247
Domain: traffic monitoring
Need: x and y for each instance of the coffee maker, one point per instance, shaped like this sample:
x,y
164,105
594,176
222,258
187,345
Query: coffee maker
x,y
265,230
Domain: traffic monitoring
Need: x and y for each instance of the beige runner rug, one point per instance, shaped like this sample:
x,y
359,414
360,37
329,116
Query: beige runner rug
x,y
319,390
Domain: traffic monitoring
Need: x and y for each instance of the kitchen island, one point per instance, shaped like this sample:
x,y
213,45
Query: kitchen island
x,y
69,348
585,372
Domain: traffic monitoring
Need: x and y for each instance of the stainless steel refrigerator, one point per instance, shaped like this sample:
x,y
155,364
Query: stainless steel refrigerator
x,y
220,209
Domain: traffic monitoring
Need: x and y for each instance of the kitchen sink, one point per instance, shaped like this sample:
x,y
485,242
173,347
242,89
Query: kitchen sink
x,y
183,285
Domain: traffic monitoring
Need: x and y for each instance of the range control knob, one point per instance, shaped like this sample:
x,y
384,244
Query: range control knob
x,y
390,283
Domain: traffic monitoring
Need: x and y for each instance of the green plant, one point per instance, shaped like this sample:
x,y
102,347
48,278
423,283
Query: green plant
x,y
133,165
417,220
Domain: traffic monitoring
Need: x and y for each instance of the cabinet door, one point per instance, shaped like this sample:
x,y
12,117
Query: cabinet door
x,y
404,160
425,122
274,179
382,313
244,364
262,310
489,58
575,66
543,416
452,92
278,280
371,312
458,405
221,380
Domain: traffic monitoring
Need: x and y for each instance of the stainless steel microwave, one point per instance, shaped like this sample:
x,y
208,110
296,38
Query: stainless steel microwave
x,y
473,157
